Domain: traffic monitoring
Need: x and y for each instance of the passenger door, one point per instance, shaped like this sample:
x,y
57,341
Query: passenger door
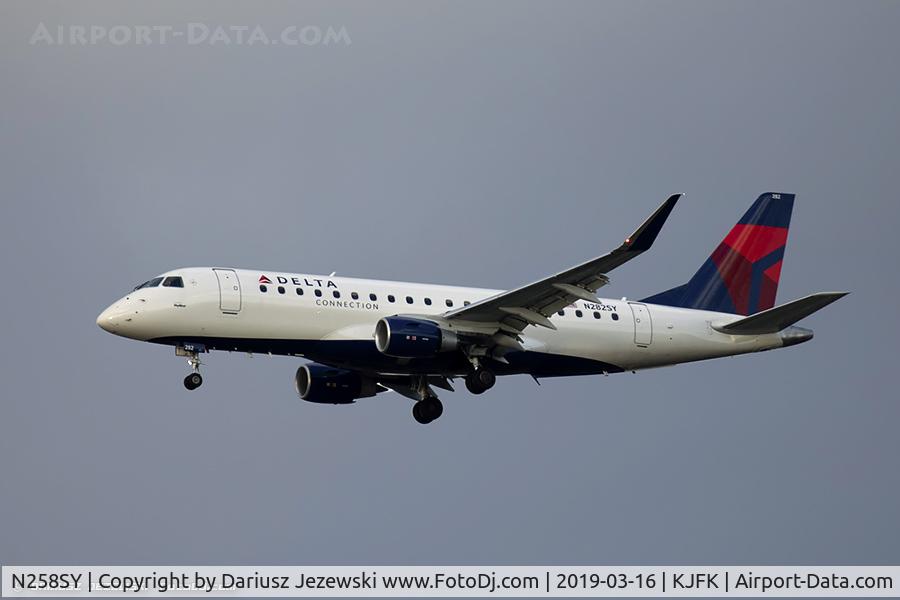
x,y
643,326
229,291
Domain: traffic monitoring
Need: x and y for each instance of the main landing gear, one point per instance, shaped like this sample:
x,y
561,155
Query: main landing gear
x,y
194,379
480,380
427,410
427,407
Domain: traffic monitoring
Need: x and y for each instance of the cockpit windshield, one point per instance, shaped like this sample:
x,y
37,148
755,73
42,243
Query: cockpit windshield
x,y
173,281
149,284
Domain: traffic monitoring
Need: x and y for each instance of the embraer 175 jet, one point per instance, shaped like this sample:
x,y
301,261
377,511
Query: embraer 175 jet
x,y
368,336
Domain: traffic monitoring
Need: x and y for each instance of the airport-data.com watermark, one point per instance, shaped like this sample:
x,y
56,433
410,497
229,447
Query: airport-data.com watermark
x,y
190,34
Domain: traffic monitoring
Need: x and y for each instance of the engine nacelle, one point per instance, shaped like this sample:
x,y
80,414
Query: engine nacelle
x,y
406,337
328,385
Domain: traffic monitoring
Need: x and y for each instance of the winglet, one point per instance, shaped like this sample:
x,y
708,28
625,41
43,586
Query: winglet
x,y
645,235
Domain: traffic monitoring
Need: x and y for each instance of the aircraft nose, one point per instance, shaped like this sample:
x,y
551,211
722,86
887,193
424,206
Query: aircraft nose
x,y
112,318
105,321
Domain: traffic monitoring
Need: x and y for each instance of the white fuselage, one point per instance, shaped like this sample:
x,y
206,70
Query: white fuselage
x,y
332,320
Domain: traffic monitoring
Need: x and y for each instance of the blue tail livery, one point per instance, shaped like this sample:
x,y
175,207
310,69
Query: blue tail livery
x,y
741,275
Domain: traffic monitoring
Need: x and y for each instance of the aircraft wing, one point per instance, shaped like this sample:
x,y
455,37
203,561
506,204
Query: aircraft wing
x,y
534,303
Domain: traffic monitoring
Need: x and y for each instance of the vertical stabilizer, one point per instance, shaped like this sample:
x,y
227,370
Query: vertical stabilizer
x,y
741,275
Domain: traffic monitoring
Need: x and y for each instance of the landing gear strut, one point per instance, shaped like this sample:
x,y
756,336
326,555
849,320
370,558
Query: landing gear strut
x,y
427,407
480,380
194,379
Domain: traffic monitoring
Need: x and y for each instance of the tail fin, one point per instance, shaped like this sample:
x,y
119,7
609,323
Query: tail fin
x,y
741,275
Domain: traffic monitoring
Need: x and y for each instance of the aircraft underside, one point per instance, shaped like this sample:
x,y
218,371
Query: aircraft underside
x,y
364,357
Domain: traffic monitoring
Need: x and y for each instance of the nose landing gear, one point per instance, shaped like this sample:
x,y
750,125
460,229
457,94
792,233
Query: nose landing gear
x,y
194,379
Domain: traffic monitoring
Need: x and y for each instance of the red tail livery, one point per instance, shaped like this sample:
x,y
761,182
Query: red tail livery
x,y
741,275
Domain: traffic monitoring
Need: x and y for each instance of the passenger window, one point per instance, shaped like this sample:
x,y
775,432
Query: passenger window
x,y
373,297
596,315
173,282
466,303
578,314
561,313
448,302
336,294
299,291
354,295
280,289
428,301
263,289
318,293
409,300
615,317
390,297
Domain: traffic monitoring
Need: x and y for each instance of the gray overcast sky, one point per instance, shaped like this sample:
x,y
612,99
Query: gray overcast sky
x,y
466,143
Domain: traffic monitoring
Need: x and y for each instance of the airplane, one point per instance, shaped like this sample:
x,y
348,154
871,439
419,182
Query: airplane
x,y
364,337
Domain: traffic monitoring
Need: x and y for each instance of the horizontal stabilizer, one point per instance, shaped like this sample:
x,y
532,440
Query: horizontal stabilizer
x,y
780,317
